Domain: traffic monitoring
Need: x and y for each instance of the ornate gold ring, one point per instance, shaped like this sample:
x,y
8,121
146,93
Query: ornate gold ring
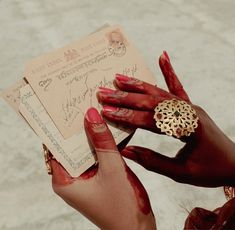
x,y
176,118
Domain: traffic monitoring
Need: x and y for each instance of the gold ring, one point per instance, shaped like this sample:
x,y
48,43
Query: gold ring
x,y
47,156
176,118
229,192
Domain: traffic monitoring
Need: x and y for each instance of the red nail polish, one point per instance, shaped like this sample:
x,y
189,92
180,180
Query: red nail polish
x,y
122,78
166,55
93,116
105,90
108,108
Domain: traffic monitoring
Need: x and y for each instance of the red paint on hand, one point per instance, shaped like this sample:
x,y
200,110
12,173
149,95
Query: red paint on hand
x,y
172,81
141,194
89,173
122,78
93,116
60,176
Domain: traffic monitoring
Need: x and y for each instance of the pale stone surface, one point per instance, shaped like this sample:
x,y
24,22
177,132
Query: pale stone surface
x,y
200,37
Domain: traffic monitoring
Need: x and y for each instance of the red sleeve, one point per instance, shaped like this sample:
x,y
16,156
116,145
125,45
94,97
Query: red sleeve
x,y
221,218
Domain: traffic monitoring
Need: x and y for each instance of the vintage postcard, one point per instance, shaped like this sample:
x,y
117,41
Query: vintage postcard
x,y
63,85
12,94
73,153
66,80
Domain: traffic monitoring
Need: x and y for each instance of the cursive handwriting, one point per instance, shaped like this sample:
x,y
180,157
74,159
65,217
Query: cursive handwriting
x,y
130,71
26,96
74,104
80,77
45,83
98,58
71,108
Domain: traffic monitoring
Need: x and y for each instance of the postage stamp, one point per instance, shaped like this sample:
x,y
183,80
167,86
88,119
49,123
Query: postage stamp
x,y
117,43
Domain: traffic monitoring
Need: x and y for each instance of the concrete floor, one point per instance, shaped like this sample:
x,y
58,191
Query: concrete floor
x,y
200,38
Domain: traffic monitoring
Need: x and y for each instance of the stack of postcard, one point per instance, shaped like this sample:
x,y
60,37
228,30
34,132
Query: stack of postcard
x,y
60,86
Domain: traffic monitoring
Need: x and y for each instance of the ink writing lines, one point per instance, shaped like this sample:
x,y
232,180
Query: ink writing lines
x,y
73,106
45,83
130,71
78,68
56,142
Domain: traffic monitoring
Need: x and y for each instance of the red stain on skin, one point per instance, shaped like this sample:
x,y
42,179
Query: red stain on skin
x,y
61,177
170,77
167,69
89,173
141,194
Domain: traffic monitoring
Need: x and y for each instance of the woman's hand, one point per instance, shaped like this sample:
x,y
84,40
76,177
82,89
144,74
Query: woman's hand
x,y
208,157
109,194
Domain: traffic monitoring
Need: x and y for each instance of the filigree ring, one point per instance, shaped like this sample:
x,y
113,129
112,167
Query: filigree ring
x,y
176,118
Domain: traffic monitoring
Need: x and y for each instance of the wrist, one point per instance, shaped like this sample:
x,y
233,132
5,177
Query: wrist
x,y
149,223
145,222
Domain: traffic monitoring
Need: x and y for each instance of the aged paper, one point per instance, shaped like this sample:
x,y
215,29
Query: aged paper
x,y
63,85
12,94
66,80
73,153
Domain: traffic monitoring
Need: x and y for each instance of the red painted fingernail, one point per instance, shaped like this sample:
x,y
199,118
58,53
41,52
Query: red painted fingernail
x,y
122,78
166,55
106,90
107,108
129,154
93,116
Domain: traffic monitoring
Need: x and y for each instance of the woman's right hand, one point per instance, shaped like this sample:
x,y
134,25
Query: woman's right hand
x,y
109,193
208,157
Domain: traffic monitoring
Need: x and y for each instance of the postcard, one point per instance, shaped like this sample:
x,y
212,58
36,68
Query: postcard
x,y
12,94
66,80
73,153
63,85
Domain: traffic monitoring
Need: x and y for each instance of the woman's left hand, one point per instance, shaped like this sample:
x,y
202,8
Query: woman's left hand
x,y
208,156
109,194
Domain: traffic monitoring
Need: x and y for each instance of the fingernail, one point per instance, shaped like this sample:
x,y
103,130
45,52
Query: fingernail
x,y
129,154
108,108
122,78
166,55
106,90
93,116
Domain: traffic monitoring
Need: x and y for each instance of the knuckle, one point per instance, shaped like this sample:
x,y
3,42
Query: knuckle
x,y
199,109
98,128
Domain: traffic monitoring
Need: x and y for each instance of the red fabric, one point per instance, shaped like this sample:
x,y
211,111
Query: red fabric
x,y
219,219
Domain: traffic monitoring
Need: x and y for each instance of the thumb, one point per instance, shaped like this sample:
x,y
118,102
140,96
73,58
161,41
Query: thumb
x,y
101,139
156,162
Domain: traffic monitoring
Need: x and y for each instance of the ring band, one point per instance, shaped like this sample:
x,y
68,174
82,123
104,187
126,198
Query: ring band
x,y
229,192
47,156
176,118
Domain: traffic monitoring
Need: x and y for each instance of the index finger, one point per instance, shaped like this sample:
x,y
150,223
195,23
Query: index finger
x,y
174,85
131,84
